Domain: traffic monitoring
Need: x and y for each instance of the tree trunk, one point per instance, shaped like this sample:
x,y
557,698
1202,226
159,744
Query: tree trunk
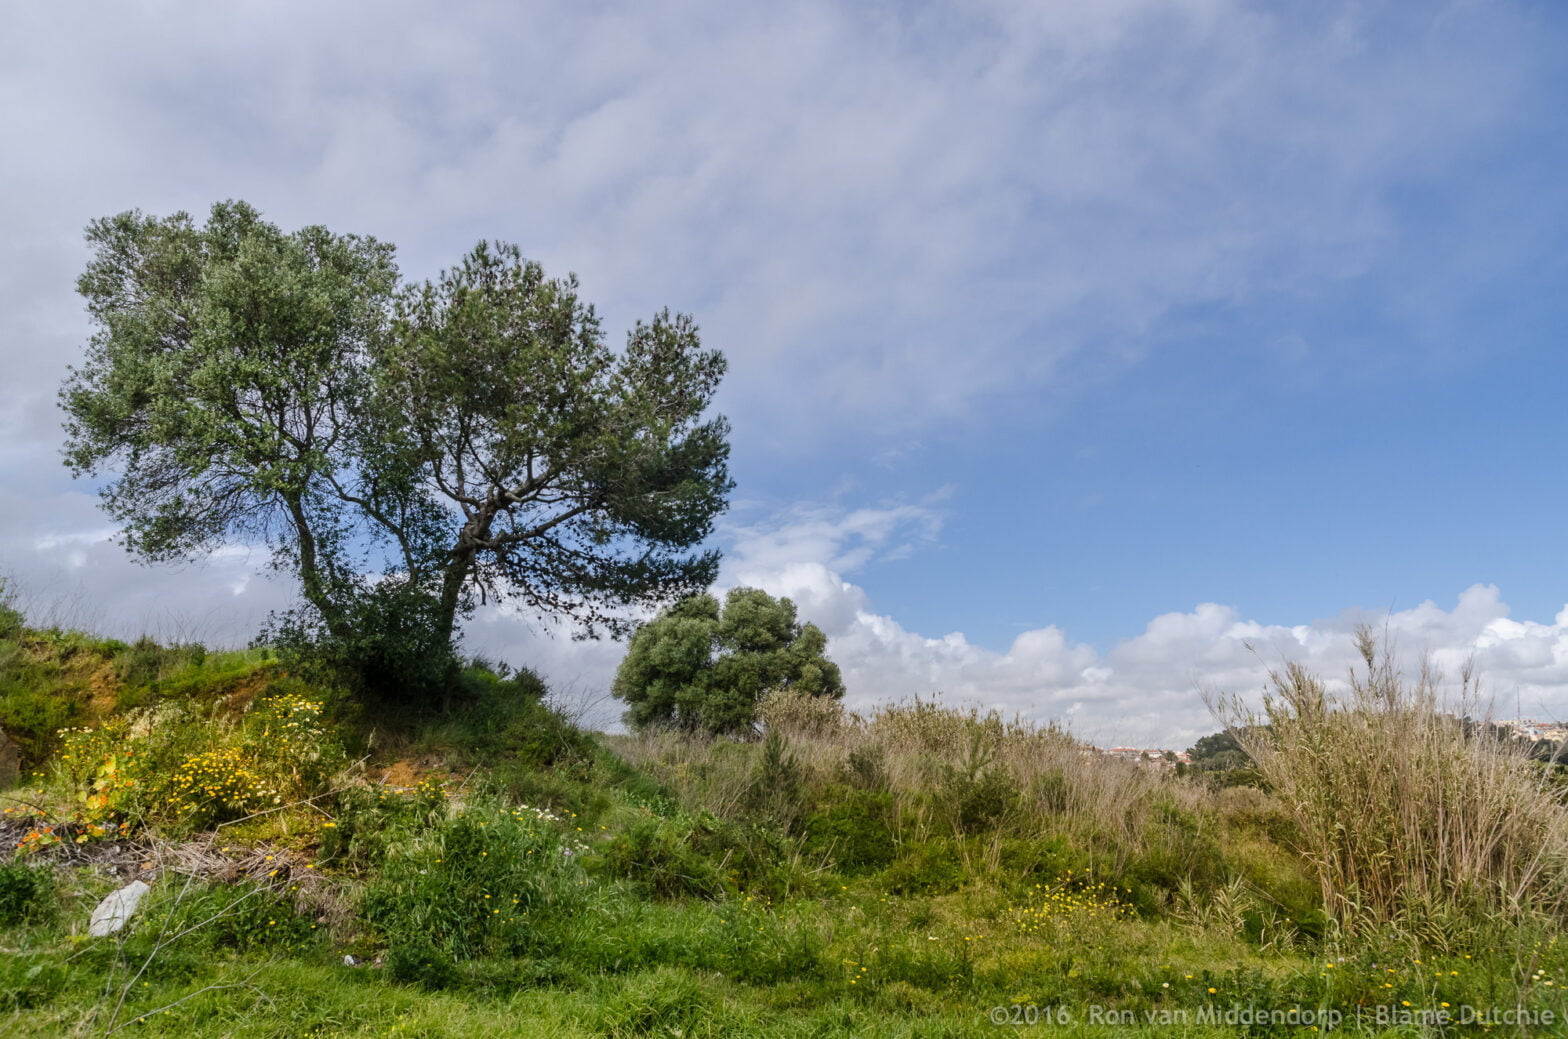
x,y
460,562
452,588
311,582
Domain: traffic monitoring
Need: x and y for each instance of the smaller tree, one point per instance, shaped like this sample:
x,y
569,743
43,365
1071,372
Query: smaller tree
x,y
1223,758
701,668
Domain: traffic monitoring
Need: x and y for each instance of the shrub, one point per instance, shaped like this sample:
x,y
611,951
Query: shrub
x,y
27,893
183,673
778,783
369,821
503,718
478,882
396,653
34,707
1175,850
102,767
420,962
933,867
209,915
183,762
1070,900
699,855
866,767
292,742
981,802
142,663
11,619
665,857
854,830
1408,814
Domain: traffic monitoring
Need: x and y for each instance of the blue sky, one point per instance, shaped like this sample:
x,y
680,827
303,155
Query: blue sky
x,y
1075,348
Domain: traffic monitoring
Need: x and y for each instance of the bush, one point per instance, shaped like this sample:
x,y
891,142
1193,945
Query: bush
x,y
396,654
218,786
144,662
854,831
478,882
981,802
1175,851
178,763
185,673
368,822
1409,815
502,718
33,709
288,734
11,619
27,894
665,857
778,783
933,867
702,856
224,917
976,792
420,962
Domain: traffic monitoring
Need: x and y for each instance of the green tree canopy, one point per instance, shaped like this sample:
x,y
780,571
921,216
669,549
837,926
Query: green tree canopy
x,y
466,438
701,668
558,471
226,384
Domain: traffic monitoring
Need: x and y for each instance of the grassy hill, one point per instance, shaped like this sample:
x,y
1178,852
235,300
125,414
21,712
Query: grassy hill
x,y
319,866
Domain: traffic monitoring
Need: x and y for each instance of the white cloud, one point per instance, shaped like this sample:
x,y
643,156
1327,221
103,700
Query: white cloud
x,y
892,215
1149,689
842,540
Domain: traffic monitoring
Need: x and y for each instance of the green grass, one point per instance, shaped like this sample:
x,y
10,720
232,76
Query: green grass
x,y
907,875
843,966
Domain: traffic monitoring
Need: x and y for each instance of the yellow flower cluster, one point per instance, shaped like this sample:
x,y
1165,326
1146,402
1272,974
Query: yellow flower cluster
x,y
431,789
295,722
1069,899
219,782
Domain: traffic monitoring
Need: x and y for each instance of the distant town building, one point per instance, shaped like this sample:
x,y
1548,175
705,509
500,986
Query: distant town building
x,y
1157,757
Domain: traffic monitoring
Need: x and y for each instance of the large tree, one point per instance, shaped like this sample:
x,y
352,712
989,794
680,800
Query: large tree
x,y
563,473
226,384
701,668
470,435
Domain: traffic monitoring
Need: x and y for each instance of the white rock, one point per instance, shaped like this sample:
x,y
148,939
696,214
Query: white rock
x,y
116,909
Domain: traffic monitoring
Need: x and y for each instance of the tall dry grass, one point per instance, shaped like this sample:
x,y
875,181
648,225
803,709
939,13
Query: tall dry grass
x,y
940,765
1413,813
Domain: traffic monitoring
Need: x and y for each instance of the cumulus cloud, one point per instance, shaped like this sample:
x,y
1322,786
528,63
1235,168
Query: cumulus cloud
x,y
1148,688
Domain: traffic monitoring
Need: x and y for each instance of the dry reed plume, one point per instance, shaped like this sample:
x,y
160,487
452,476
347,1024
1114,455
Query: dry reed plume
x,y
1413,814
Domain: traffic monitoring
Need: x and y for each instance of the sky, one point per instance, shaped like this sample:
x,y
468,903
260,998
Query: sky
x,y
1086,361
